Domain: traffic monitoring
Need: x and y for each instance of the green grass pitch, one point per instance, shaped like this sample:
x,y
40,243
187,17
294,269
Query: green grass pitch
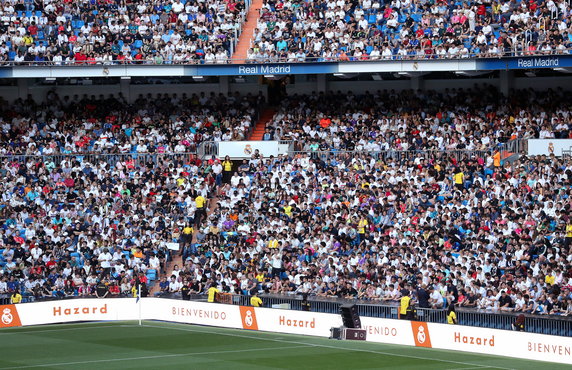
x,y
156,345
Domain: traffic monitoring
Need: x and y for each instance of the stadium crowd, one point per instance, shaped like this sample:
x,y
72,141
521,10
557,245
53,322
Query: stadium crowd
x,y
151,124
105,32
404,29
187,31
468,229
470,119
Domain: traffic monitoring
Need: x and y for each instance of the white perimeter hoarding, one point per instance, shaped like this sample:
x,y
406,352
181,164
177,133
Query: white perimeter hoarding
x,y
62,311
412,333
501,342
548,146
290,321
189,312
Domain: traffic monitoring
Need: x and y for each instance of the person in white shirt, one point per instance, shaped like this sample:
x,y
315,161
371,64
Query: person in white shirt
x,y
105,259
175,285
177,6
154,263
435,298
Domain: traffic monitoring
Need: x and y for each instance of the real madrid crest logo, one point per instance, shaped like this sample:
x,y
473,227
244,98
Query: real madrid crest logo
x,y
7,317
248,149
421,335
248,318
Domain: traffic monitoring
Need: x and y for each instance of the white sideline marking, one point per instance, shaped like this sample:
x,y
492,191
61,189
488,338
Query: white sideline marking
x,y
477,366
149,357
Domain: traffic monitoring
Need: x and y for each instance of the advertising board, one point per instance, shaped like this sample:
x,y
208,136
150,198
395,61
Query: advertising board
x,y
245,149
411,333
548,146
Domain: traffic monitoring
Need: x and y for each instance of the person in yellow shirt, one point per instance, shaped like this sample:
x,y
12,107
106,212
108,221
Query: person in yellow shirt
x,y
451,315
568,239
188,231
211,293
200,201
273,243
255,300
288,210
361,227
404,305
15,298
362,224
226,170
459,178
180,180
550,279
200,211
28,40
260,276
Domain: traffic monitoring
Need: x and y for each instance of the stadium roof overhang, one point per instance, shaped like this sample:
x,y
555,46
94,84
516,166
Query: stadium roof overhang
x,y
406,67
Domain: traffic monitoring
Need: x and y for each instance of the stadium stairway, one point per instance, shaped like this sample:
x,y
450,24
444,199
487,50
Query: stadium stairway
x,y
266,116
178,259
241,50
509,157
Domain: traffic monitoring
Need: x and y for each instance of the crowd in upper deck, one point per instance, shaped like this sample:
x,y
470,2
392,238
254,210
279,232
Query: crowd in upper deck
x,y
189,31
329,30
119,31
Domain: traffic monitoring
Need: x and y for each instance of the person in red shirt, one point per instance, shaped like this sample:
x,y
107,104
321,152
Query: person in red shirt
x,y
51,263
114,290
80,58
33,29
325,122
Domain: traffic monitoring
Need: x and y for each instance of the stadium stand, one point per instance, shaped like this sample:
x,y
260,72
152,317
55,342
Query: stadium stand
x,y
373,30
104,32
367,205
185,31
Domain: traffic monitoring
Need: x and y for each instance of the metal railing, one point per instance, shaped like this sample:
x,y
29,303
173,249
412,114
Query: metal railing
x,y
395,155
207,149
129,160
210,148
512,147
323,59
551,325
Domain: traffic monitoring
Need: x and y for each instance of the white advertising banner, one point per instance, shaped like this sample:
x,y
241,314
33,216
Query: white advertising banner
x,y
548,146
245,149
292,322
70,310
501,342
190,312
412,333
388,331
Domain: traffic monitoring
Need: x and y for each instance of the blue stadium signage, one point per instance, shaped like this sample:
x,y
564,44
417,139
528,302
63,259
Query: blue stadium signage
x,y
264,69
463,64
538,63
552,61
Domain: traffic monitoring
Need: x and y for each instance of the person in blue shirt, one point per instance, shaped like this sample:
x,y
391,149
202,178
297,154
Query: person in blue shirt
x,y
282,45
